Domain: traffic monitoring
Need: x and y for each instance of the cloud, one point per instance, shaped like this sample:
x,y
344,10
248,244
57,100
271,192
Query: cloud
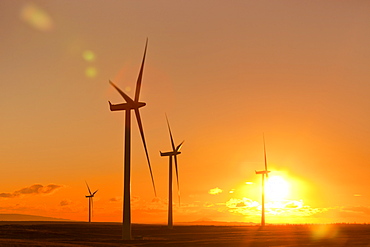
x,y
215,191
65,203
135,199
156,206
244,206
293,204
363,210
156,199
34,189
6,195
115,199
288,208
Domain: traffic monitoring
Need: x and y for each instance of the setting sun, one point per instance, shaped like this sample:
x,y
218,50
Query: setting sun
x,y
277,188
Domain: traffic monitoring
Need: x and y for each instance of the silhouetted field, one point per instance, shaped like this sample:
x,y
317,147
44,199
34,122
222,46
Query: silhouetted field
x,y
109,234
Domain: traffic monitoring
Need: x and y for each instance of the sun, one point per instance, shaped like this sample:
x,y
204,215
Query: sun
x,y
277,188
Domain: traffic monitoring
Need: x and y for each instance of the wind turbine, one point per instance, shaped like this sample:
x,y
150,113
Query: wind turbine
x,y
91,203
131,104
175,151
263,173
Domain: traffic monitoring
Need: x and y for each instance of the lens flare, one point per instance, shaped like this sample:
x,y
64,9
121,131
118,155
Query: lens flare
x,y
88,55
324,232
36,17
91,72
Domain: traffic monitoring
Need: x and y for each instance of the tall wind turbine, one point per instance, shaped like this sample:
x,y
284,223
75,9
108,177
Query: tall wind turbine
x,y
91,203
131,104
263,173
175,151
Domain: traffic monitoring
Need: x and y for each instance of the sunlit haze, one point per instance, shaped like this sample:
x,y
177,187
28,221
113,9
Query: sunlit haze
x,y
224,72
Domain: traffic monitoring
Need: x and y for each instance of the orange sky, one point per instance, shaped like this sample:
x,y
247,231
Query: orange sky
x,y
223,72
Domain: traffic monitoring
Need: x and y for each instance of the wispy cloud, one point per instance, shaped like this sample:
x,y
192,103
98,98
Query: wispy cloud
x,y
215,191
358,209
65,203
115,199
34,189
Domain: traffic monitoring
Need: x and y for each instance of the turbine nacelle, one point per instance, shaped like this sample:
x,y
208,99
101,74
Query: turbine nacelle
x,y
173,153
91,194
126,106
263,172
176,151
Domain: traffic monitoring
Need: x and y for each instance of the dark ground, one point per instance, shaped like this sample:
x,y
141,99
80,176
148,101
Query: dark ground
x,y
109,234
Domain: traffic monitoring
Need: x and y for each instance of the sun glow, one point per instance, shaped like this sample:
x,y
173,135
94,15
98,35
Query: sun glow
x,y
277,188
36,17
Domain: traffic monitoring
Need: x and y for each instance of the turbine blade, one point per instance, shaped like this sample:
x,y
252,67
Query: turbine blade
x,y
139,123
125,96
179,146
88,188
94,192
177,178
169,129
138,83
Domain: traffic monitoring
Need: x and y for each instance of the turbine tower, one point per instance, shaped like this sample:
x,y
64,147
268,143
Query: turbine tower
x,y
91,203
131,104
263,173
175,151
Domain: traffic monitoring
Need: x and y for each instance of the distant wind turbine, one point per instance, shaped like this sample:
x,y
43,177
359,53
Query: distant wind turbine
x,y
175,151
263,173
127,107
91,202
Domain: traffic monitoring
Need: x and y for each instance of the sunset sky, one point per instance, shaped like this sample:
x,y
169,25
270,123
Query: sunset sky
x,y
224,72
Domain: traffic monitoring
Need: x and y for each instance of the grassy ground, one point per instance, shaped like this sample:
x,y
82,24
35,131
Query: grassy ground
x,y
109,234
